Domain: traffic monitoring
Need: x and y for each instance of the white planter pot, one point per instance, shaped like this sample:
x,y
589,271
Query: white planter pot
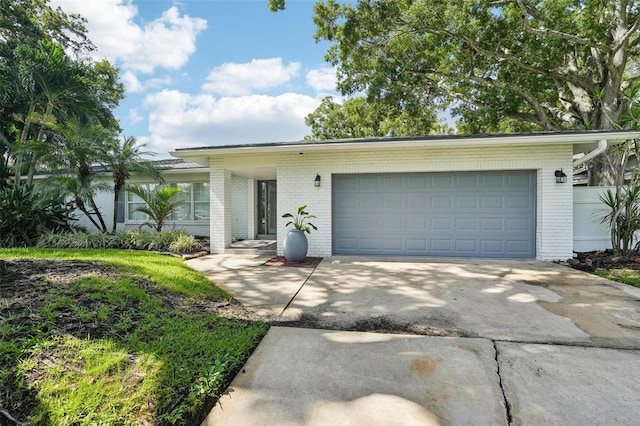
x,y
295,246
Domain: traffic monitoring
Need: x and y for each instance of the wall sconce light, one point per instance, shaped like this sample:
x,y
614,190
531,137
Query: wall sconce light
x,y
561,177
316,181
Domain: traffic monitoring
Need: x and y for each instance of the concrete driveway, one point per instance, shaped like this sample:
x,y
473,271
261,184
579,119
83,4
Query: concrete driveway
x,y
524,343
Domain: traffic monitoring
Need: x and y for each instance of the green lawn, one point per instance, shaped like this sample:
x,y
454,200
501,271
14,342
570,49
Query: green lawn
x,y
140,339
626,276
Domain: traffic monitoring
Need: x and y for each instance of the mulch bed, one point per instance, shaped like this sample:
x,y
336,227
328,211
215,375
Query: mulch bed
x,y
309,262
591,261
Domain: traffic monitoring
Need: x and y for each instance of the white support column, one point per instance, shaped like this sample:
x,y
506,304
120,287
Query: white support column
x,y
251,209
220,209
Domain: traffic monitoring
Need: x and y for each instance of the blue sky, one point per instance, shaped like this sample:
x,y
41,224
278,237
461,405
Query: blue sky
x,y
209,72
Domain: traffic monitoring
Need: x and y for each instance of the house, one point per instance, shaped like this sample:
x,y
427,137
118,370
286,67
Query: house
x,y
494,196
192,215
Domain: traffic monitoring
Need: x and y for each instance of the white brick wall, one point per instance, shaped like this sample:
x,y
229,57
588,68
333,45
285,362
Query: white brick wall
x,y
240,207
554,231
221,218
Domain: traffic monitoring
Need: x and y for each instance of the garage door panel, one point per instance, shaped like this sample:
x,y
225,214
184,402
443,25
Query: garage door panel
x,y
369,184
368,222
492,224
419,224
392,183
494,246
522,224
441,202
492,181
467,181
518,246
369,201
519,181
478,214
492,202
346,224
467,202
392,224
392,201
417,182
441,181
466,225
344,202
369,244
396,244
519,202
441,224
414,244
466,246
417,201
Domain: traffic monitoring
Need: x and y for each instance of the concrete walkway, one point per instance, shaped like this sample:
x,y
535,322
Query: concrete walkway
x,y
536,343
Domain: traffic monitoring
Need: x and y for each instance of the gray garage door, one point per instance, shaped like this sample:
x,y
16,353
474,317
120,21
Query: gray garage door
x,y
479,214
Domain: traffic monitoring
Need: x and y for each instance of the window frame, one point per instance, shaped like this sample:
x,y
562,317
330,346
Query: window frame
x,y
192,204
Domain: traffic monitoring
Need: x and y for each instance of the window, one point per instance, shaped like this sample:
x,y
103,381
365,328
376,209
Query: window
x,y
133,202
193,203
201,201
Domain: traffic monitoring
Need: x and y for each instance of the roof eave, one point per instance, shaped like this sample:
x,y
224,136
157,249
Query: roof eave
x,y
200,155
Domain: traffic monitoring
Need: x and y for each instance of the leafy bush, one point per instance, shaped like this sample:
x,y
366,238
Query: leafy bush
x,y
183,243
173,241
623,216
25,214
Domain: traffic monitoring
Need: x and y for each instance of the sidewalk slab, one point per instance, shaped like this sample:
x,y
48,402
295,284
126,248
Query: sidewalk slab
x,y
568,385
263,289
319,377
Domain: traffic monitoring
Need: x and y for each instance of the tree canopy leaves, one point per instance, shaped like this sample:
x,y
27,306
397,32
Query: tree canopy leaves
x,y
550,64
497,66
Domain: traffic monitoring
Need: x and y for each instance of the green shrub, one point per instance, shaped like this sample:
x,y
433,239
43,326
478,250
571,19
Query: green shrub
x,y
173,241
183,243
25,214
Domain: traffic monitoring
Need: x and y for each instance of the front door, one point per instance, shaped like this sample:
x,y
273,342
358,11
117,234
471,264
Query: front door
x,y
267,211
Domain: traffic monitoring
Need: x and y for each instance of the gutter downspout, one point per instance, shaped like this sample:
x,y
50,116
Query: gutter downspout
x,y
602,145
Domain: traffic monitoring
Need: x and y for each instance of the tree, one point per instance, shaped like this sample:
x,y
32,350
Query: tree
x,y
357,118
41,85
499,65
79,149
124,158
160,203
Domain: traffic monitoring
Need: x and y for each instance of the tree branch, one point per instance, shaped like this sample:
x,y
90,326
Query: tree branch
x,y
539,109
558,34
627,35
575,80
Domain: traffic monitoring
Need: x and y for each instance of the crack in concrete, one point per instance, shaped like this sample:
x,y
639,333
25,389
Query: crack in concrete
x,y
507,404
294,296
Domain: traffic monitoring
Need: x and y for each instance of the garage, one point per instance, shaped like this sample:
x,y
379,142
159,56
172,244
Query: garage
x,y
462,214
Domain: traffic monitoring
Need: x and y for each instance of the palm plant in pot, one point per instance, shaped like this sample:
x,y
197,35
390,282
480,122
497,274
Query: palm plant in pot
x,y
295,243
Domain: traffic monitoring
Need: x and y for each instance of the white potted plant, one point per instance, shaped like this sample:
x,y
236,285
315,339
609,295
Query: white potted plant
x,y
295,243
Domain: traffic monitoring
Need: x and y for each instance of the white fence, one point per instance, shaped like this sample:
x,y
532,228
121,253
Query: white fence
x,y
588,233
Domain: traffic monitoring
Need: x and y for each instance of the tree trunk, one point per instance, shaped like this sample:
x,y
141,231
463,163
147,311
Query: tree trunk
x,y
84,210
116,195
599,172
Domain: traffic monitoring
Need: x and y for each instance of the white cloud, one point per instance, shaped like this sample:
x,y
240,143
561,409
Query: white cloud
x,y
133,84
135,116
322,79
233,79
180,120
166,42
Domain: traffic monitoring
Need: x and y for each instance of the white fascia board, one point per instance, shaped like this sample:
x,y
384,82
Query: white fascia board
x,y
200,155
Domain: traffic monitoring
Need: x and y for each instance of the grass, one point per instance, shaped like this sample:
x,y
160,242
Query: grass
x,y
626,276
139,341
166,272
